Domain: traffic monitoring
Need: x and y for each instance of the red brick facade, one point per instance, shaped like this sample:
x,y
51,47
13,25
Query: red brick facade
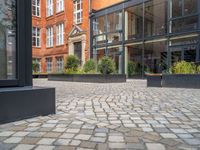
x,y
66,17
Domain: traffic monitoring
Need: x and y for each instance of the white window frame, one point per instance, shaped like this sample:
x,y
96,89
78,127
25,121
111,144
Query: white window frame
x,y
49,65
49,8
49,37
36,34
60,34
59,64
37,5
59,6
78,12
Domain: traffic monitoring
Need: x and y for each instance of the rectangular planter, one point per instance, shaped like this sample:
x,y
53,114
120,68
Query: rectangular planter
x,y
92,78
19,103
181,81
40,76
154,80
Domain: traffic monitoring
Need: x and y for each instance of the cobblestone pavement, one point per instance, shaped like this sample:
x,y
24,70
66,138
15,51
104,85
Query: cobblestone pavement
x,y
111,116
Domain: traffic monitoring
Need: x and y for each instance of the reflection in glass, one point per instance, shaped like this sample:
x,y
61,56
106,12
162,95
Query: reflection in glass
x,y
116,55
135,55
185,24
99,25
155,18
155,57
7,39
114,22
134,22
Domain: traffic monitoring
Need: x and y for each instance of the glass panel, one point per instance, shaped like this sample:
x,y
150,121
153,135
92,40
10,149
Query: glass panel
x,y
190,55
176,56
99,25
155,57
114,22
155,21
185,24
135,55
100,53
7,39
190,7
116,55
114,37
99,40
78,50
134,22
177,8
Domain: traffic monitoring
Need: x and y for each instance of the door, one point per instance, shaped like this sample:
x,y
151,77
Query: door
x,y
78,50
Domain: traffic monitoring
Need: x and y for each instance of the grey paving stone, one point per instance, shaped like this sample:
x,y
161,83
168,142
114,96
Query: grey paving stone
x,y
46,141
24,147
155,146
117,145
82,137
192,141
13,140
62,142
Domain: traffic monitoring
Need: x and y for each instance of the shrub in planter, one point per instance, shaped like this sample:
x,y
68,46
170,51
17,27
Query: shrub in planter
x,y
35,66
72,71
132,68
184,67
198,69
90,66
106,65
72,63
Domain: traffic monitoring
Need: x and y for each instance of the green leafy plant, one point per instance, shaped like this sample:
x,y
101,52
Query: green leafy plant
x,y
198,69
77,71
35,67
132,68
106,65
72,63
90,66
183,67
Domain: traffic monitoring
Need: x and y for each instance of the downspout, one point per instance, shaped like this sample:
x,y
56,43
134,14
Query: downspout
x,y
89,50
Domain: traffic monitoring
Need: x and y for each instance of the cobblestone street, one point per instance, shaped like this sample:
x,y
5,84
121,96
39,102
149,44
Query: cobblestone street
x,y
111,116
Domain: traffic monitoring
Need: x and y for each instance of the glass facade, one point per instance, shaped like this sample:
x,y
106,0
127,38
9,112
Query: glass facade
x,y
152,33
7,40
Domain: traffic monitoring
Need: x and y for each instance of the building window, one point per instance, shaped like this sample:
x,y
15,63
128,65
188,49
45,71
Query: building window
x,y
49,8
78,11
50,37
59,64
37,69
60,5
36,8
49,65
60,34
36,40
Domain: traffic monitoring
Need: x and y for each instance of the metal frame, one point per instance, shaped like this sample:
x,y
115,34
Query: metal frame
x,y
23,49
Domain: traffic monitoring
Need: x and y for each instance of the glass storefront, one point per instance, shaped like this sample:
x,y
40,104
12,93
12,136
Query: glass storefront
x,y
7,40
155,33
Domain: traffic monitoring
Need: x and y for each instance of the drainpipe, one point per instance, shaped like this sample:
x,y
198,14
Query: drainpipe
x,y
89,1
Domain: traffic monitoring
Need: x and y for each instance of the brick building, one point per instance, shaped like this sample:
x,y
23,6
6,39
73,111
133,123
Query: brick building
x,y
61,28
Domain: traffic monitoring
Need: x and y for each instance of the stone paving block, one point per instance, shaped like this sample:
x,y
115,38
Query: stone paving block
x,y
75,142
13,140
52,135
21,134
168,135
88,144
67,135
116,139
36,134
82,137
62,142
30,140
155,146
24,147
192,141
117,145
73,130
46,141
44,147
98,139
6,133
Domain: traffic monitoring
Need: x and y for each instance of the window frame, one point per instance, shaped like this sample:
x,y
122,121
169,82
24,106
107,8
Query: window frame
x,y
37,8
60,5
60,31
49,37
78,12
59,64
37,36
49,8
49,65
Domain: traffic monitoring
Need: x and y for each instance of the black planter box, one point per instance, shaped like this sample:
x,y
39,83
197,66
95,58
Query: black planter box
x,y
92,78
19,103
35,76
154,80
181,81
